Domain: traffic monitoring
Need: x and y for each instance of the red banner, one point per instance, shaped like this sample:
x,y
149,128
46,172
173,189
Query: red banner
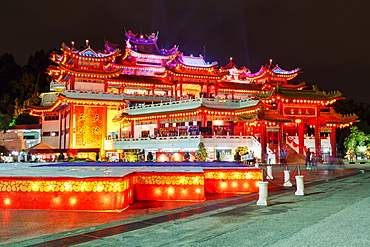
x,y
299,111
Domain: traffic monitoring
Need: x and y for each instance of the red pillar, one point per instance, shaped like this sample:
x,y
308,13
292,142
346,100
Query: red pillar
x,y
317,136
333,141
263,141
280,141
180,89
72,116
65,128
61,118
301,137
203,122
132,129
267,138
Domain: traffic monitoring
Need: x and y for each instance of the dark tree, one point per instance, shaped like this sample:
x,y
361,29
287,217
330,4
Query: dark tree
x,y
21,86
362,110
26,118
4,122
10,73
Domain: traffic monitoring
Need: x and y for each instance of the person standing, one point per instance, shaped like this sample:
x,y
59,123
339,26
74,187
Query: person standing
x,y
308,157
61,157
22,156
315,159
283,157
29,157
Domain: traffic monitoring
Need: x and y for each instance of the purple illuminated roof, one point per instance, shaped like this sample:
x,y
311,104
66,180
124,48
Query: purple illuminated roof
x,y
281,71
147,44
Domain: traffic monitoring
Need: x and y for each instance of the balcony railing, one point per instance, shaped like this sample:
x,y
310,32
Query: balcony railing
x,y
113,96
54,86
186,104
181,142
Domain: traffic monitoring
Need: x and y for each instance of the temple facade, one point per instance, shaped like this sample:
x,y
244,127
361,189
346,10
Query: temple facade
x,y
126,103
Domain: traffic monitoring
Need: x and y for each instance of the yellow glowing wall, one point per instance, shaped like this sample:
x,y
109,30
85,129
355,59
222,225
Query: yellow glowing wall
x,y
89,126
111,126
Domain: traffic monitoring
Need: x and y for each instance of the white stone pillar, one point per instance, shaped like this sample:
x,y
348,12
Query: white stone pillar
x,y
287,182
263,194
269,172
300,186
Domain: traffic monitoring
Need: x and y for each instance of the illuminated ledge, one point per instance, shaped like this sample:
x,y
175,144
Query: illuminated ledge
x,y
115,188
232,179
88,194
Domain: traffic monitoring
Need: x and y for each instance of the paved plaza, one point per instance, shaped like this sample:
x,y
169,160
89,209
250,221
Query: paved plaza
x,y
334,212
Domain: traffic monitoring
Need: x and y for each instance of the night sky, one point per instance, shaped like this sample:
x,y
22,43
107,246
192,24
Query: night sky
x,y
328,39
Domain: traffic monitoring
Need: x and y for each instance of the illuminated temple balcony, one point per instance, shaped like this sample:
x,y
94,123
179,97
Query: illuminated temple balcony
x,y
184,142
191,104
156,142
113,96
57,86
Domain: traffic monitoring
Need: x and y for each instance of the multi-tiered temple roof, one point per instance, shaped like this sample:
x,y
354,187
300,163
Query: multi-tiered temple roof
x,y
144,85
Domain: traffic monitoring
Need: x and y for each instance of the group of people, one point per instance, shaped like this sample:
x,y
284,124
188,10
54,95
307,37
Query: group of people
x,y
24,156
311,161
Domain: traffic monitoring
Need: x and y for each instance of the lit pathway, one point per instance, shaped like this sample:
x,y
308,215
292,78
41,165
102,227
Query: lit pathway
x,y
332,214
235,221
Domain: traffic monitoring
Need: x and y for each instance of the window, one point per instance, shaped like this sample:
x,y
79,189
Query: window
x,y
145,133
50,133
55,133
51,117
29,137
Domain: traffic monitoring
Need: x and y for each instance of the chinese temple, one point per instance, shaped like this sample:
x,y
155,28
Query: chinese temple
x,y
125,103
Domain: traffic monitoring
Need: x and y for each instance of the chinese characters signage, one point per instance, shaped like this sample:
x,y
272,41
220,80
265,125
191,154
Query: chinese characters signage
x,y
297,111
89,126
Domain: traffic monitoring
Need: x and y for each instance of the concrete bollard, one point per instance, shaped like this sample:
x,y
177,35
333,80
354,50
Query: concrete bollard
x,y
300,186
287,182
269,172
263,194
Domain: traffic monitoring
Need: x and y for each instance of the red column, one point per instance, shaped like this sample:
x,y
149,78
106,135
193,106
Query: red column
x,y
301,137
132,129
333,140
180,89
267,138
72,83
317,136
280,141
263,141
72,116
65,128
204,120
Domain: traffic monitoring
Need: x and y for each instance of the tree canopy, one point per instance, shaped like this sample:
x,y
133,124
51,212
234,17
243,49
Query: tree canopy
x,y
4,122
356,139
21,86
